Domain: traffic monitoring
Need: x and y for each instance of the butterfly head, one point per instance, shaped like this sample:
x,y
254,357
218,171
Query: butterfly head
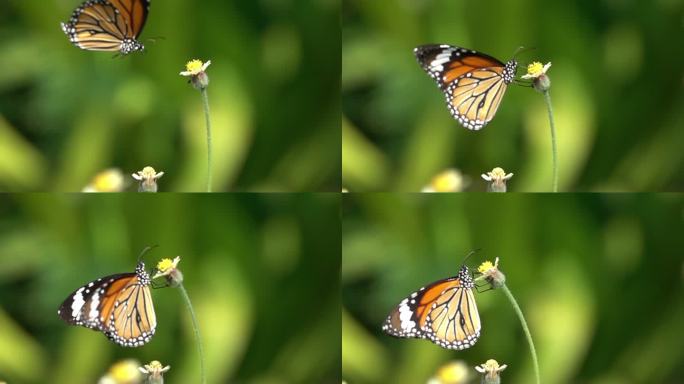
x,y
143,276
465,277
131,45
509,71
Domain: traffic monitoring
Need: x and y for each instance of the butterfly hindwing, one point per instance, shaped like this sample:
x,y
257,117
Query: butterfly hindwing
x,y
132,321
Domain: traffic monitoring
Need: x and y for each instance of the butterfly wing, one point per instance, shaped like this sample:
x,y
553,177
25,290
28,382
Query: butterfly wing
x,y
119,305
108,25
404,320
453,322
135,14
443,312
472,82
84,306
131,321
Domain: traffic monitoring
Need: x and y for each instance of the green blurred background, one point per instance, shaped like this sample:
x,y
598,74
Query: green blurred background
x,y
599,279
262,272
66,114
617,91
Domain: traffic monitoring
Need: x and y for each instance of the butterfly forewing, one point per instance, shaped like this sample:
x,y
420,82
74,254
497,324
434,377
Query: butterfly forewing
x,y
404,319
473,83
135,12
84,306
443,312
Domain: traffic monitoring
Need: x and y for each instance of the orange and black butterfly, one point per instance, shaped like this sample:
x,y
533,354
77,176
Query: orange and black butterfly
x,y
108,25
443,312
472,82
119,305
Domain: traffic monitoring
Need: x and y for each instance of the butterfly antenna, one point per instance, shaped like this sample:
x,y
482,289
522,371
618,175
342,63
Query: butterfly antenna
x,y
470,254
153,40
522,49
145,250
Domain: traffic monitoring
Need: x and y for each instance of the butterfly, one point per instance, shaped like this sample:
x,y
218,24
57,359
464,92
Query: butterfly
x,y
443,312
472,82
108,25
118,305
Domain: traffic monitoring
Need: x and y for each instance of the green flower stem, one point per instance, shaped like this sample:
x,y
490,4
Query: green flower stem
x,y
205,102
195,327
554,149
525,328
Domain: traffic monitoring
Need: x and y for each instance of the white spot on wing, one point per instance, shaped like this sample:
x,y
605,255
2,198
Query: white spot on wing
x,y
77,304
405,314
94,303
439,60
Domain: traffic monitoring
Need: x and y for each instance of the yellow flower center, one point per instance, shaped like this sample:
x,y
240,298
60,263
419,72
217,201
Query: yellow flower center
x,y
484,267
164,265
194,66
535,69
125,371
447,181
110,180
456,372
498,173
148,172
491,364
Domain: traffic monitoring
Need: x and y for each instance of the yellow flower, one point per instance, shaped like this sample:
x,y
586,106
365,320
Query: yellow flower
x,y
147,173
154,369
455,372
148,179
497,174
490,272
195,67
450,180
169,270
109,180
487,265
498,178
166,265
536,70
123,372
490,368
